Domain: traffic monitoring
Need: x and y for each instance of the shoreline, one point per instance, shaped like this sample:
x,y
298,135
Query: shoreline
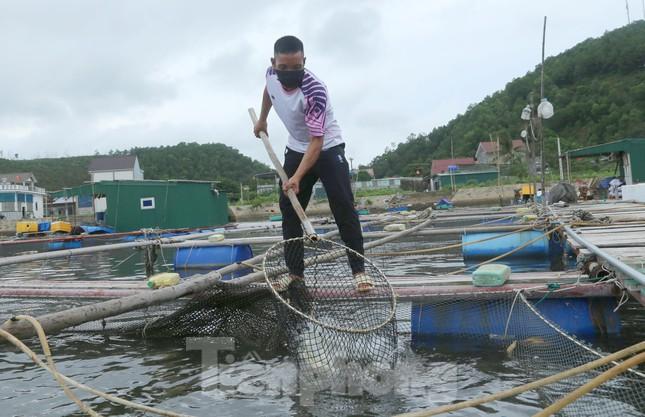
x,y
465,197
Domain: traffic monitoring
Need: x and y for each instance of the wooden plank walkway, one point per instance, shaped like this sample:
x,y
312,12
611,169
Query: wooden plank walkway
x,y
623,238
407,287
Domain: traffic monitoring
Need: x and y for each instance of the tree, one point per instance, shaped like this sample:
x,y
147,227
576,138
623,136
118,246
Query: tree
x,y
363,176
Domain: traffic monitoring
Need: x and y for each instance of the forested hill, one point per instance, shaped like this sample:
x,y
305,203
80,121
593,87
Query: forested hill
x,y
191,161
597,89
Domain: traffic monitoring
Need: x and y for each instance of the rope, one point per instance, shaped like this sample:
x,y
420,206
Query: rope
x,y
589,386
503,255
65,379
634,349
456,245
57,376
252,266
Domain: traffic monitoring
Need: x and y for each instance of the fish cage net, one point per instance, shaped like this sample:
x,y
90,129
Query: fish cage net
x,y
507,323
525,339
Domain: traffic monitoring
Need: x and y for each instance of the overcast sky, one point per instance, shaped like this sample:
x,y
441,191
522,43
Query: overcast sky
x,y
84,76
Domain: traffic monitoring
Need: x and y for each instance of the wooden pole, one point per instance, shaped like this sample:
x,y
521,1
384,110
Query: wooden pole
x,y
306,224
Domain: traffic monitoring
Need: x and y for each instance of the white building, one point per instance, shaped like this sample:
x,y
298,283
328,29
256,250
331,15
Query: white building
x,y
111,168
20,198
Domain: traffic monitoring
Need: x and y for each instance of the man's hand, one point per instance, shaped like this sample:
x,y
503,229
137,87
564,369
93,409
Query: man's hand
x,y
293,183
260,126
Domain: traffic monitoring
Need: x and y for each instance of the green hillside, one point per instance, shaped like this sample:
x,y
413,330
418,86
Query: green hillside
x,y
191,161
596,87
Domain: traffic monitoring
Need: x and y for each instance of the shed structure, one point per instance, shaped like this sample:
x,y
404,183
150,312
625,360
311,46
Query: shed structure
x,y
630,153
133,205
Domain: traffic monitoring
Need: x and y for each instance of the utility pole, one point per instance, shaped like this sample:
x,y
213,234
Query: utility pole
x,y
452,156
541,130
627,8
560,160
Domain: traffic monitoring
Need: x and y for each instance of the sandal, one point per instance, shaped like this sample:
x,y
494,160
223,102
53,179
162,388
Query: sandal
x,y
364,282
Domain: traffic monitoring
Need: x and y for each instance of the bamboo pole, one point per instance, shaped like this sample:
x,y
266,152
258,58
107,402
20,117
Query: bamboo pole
x,y
55,322
9,260
366,235
259,276
589,386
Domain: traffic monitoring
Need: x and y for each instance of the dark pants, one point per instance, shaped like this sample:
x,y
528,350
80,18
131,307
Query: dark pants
x,y
333,171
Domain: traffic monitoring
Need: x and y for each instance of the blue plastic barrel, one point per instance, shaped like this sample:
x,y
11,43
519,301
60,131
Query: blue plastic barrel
x,y
583,317
65,244
189,261
44,226
495,247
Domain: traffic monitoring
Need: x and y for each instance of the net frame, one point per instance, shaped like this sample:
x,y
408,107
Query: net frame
x,y
341,250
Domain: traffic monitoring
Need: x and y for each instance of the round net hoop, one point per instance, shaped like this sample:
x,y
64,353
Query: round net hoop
x,y
329,284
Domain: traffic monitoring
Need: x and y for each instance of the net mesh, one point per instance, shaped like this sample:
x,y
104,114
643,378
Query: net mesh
x,y
339,311
508,324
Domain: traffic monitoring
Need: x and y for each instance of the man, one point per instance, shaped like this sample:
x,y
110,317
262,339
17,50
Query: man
x,y
315,150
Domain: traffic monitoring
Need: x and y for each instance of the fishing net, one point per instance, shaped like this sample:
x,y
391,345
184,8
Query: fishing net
x,y
513,332
339,311
337,335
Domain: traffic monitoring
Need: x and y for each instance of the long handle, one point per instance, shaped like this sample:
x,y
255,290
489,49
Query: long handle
x,y
306,224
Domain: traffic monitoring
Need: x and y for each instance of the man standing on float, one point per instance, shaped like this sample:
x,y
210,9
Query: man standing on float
x,y
315,150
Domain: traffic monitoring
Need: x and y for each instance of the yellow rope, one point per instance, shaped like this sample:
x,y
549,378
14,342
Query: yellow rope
x,y
634,349
47,351
32,355
456,245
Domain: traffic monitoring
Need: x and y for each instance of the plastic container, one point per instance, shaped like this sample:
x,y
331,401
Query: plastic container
x,y
217,237
163,279
44,226
495,247
65,244
189,261
491,275
27,226
394,227
61,227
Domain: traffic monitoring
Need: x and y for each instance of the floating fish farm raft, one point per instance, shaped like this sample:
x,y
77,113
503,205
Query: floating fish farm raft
x,y
541,283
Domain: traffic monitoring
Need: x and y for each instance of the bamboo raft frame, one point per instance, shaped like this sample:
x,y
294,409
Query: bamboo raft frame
x,y
132,296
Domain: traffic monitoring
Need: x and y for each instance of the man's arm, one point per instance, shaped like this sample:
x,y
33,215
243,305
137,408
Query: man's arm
x,y
308,160
261,125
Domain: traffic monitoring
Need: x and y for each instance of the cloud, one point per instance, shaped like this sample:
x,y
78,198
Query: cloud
x,y
80,76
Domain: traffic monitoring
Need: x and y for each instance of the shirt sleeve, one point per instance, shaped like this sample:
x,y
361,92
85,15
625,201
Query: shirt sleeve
x,y
315,108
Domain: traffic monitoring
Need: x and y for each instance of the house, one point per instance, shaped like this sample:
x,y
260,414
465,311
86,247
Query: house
x,y
133,205
20,198
458,171
487,151
113,168
440,166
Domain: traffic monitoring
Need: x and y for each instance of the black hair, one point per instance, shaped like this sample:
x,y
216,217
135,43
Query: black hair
x,y
288,45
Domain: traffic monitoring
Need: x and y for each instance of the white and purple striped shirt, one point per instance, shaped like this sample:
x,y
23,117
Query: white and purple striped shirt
x,y
305,111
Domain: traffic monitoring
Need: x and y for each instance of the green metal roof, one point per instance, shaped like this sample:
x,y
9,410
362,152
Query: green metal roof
x,y
623,145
